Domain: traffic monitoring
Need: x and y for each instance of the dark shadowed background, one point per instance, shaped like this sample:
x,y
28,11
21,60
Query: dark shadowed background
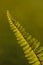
x,y
30,14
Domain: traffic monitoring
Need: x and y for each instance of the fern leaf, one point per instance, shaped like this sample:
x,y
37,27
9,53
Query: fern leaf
x,y
31,47
39,50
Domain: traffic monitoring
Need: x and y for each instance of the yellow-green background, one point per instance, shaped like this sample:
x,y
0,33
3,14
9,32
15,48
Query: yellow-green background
x,y
30,14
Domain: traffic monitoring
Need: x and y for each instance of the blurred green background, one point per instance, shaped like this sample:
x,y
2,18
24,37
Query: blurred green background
x,y
30,14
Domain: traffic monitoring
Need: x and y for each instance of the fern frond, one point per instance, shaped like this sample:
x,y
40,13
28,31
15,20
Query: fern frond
x,y
31,47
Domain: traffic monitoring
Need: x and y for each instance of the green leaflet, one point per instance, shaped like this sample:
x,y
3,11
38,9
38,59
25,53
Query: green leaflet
x,y
30,46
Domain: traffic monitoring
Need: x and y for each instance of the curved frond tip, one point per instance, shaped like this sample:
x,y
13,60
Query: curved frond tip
x,y
31,47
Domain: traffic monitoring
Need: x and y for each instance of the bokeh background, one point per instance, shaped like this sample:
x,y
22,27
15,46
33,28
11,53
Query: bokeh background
x,y
30,14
